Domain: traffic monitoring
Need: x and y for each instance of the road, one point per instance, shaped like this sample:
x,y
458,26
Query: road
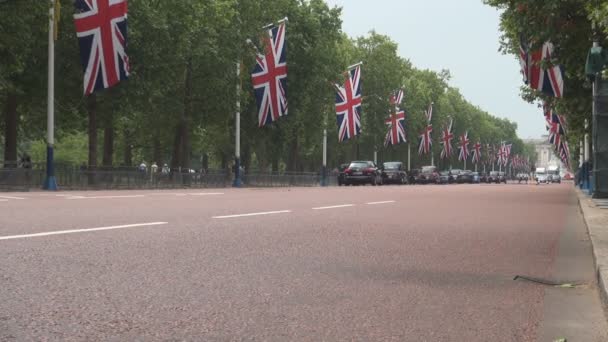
x,y
391,263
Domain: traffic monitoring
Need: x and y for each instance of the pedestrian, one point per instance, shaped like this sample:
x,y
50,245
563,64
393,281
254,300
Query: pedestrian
x,y
165,170
153,171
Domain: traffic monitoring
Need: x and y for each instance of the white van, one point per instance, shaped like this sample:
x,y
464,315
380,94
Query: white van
x,y
541,175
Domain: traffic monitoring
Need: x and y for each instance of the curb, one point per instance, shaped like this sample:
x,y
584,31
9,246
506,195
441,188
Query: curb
x,y
596,221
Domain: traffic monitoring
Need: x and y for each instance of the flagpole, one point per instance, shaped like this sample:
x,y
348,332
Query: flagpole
x,y
409,160
237,127
50,183
324,170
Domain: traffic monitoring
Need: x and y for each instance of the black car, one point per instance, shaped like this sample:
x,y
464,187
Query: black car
x,y
341,174
412,177
362,172
493,177
444,177
428,175
465,177
454,175
393,172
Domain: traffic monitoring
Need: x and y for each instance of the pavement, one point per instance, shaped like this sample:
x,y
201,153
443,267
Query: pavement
x,y
596,219
390,263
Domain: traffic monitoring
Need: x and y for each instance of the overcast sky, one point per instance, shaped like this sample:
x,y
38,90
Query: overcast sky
x,y
459,35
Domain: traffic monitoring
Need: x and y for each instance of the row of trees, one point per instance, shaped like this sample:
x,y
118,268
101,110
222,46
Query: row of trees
x,y
178,105
572,26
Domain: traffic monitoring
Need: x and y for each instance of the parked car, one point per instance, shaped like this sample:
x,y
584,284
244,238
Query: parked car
x,y
502,177
454,175
493,177
412,176
428,175
483,177
522,177
341,174
393,172
465,176
476,177
362,172
541,175
444,177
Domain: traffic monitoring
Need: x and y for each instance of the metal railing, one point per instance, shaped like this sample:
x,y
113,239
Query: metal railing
x,y
70,177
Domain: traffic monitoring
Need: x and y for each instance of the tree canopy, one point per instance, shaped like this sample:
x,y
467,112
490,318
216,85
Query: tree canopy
x,y
178,105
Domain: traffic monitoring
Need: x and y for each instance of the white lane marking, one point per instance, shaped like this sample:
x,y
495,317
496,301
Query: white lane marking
x,y
73,231
334,207
253,214
207,194
381,202
102,197
3,200
11,197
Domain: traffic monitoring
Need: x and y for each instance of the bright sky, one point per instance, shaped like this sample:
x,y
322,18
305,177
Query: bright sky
x,y
459,35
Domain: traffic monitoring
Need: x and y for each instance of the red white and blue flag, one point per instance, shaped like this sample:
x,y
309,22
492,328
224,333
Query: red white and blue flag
x,y
547,79
564,153
396,98
446,141
476,153
348,105
464,147
396,129
556,130
101,28
426,142
429,113
269,77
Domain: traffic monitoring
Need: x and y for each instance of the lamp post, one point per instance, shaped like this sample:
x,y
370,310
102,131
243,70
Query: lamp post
x,y
50,183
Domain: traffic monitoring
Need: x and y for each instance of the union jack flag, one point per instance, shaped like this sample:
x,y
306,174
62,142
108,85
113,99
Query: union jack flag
x,y
429,113
564,153
425,140
101,28
556,130
446,141
504,154
269,77
396,129
464,147
397,98
476,153
549,79
348,105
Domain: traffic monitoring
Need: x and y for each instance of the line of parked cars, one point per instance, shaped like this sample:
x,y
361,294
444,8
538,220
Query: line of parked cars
x,y
367,172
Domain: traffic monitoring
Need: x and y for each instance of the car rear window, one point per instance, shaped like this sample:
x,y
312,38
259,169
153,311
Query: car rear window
x,y
392,166
358,164
428,169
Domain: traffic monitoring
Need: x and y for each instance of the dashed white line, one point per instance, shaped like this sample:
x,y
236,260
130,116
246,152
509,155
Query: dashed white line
x,y
3,200
73,231
334,207
380,202
11,197
207,194
103,197
253,214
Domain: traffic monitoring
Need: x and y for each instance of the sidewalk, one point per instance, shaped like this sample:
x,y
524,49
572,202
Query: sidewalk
x,y
596,220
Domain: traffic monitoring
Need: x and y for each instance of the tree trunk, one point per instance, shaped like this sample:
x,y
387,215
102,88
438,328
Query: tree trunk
x,y
108,140
177,148
292,160
128,156
10,131
181,146
187,118
156,153
92,109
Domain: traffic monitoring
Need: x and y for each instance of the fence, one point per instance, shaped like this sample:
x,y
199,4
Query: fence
x,y
70,177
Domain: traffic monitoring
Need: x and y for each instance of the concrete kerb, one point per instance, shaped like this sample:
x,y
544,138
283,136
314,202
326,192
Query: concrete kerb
x,y
596,220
